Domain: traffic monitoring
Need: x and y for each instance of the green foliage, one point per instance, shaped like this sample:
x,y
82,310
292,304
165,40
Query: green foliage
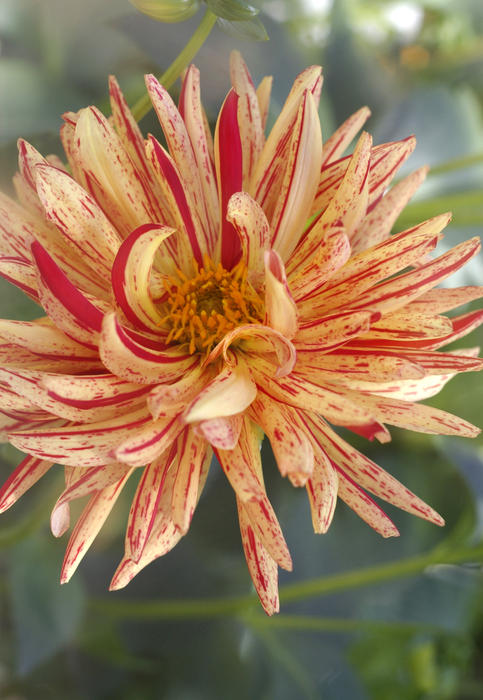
x,y
235,10
45,616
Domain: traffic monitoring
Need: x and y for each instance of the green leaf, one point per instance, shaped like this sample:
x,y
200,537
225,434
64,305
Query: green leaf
x,y
251,29
235,10
45,616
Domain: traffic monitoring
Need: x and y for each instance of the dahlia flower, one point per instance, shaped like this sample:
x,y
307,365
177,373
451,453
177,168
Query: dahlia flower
x,y
203,294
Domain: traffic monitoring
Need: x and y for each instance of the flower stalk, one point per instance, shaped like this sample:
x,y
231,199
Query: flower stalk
x,y
172,73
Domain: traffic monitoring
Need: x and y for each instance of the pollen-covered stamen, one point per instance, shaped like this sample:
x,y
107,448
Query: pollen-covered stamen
x,y
200,311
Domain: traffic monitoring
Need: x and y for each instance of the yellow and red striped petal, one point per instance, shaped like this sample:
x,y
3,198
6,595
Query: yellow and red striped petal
x,y
193,457
249,118
137,363
229,393
335,146
322,490
131,275
280,309
28,472
300,178
262,567
292,449
191,110
378,223
253,230
88,525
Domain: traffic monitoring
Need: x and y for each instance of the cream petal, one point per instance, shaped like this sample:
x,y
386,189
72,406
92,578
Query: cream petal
x,y
280,308
229,393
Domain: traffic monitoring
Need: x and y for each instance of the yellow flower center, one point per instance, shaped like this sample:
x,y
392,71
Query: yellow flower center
x,y
202,310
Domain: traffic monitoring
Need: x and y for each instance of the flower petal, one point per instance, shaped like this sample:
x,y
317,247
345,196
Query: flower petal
x,y
222,432
229,174
253,230
292,450
229,393
377,225
131,274
335,146
322,490
280,308
249,118
193,457
28,472
136,363
90,522
262,567
145,503
300,179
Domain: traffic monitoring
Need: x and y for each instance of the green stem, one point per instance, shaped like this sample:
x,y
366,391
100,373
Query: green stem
x,y
456,164
375,574
206,609
143,105
308,623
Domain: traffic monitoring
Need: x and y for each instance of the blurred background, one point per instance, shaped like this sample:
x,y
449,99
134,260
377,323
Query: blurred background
x,y
419,66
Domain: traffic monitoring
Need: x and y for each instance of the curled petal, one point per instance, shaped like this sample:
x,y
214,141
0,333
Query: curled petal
x,y
222,432
280,308
253,229
136,363
258,339
229,393
131,273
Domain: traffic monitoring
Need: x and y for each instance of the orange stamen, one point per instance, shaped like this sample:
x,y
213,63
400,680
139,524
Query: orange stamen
x,y
202,310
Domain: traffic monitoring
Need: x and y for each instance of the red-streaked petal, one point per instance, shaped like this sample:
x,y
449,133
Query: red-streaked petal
x,y
193,457
253,229
149,442
194,118
280,308
88,525
145,504
28,472
249,118
181,215
377,225
222,432
364,506
266,181
262,567
300,179
258,339
229,393
89,445
78,217
335,146
131,274
263,96
69,309
136,363
322,490
229,174
293,452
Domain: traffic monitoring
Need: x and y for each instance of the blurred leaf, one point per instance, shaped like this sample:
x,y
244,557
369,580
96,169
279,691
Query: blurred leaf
x,y
45,616
251,29
236,10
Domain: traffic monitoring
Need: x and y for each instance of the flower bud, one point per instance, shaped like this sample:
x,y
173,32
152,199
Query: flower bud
x,y
167,10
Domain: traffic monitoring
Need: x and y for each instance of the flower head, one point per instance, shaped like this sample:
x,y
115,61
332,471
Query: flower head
x,y
202,295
